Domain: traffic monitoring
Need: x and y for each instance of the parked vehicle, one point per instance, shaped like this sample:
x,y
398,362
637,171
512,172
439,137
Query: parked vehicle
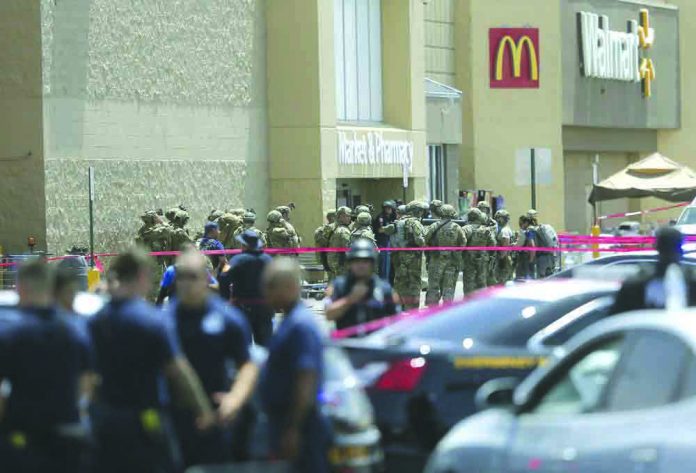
x,y
622,264
422,374
621,399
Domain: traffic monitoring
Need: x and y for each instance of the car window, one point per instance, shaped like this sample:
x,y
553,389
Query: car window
x,y
495,321
579,388
688,217
650,374
601,309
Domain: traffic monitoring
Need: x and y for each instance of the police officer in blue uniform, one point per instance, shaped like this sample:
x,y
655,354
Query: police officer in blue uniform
x,y
360,296
211,334
242,285
134,353
46,358
292,378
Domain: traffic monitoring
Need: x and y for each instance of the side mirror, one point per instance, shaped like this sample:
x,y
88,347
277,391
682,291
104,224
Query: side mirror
x,y
498,393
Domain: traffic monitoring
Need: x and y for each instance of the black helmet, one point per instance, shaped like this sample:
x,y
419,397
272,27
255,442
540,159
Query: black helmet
x,y
362,249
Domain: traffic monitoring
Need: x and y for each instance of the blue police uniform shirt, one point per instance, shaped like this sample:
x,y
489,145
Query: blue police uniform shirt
x,y
43,354
169,277
296,346
246,270
209,338
132,346
211,244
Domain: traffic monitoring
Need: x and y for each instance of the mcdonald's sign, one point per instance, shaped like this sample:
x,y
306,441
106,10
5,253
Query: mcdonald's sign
x,y
514,58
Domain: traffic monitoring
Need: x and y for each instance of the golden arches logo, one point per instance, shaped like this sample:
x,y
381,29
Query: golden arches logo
x,y
516,49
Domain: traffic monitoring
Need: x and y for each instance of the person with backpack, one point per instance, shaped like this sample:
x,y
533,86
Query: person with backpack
x,y
322,235
545,237
476,262
444,266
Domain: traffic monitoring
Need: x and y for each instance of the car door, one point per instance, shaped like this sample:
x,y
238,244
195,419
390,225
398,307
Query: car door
x,y
628,431
607,411
539,440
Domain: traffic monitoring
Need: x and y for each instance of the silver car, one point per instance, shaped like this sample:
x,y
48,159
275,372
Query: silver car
x,y
622,398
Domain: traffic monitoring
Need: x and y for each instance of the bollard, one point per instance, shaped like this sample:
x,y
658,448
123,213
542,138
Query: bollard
x,y
596,231
93,279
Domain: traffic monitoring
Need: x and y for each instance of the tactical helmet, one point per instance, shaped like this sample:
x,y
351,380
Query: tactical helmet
x,y
502,214
182,216
171,214
389,203
238,212
401,209
249,217
484,207
476,216
274,216
448,211
215,214
360,209
331,213
531,213
343,211
364,219
283,209
362,248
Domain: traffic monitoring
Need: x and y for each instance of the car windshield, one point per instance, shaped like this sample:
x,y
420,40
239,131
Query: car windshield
x,y
688,217
494,321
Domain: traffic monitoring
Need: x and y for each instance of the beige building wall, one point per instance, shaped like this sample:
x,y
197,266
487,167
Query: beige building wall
x,y
303,130
22,202
498,122
439,41
165,98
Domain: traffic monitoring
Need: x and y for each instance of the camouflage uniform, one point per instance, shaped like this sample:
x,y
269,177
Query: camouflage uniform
x,y
485,208
278,235
407,281
357,211
322,235
435,208
504,268
229,223
363,229
476,263
340,238
248,224
180,234
444,266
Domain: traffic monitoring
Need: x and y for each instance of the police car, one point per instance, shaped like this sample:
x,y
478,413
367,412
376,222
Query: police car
x,y
422,373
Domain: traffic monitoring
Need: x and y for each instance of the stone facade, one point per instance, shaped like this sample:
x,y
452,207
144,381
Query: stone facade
x,y
165,98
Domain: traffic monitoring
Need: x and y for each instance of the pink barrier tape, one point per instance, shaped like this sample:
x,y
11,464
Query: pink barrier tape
x,y
642,212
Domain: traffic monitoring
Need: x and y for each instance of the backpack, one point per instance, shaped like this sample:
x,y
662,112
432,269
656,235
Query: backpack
x,y
547,236
398,239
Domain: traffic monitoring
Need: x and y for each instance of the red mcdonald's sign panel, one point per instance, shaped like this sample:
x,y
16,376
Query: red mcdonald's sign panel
x,y
514,57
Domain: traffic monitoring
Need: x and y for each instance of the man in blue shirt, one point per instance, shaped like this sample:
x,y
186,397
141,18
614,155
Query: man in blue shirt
x,y
211,242
292,377
211,334
241,284
46,358
135,353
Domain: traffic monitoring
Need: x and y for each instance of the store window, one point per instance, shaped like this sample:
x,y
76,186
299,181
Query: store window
x,y
437,161
358,43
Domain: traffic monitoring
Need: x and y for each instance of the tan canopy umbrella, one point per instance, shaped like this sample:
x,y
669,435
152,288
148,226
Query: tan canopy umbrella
x,y
654,176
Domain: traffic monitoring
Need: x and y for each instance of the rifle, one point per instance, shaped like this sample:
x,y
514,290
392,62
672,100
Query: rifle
x,y
429,221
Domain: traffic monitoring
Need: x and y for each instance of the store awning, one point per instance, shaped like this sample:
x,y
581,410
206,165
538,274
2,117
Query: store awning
x,y
654,176
435,89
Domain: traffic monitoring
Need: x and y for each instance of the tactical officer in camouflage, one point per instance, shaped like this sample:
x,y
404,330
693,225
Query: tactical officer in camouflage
x,y
278,235
435,207
504,267
357,211
322,235
248,223
407,282
476,263
229,223
180,234
362,228
444,266
340,238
